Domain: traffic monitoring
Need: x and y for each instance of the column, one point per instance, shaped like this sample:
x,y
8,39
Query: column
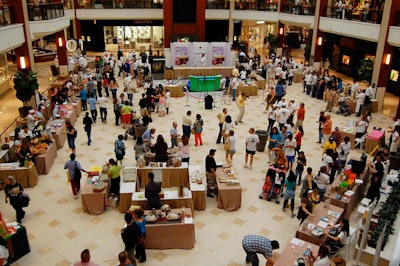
x,y
313,56
61,49
231,22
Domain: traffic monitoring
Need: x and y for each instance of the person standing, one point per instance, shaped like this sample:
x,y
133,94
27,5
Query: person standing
x,y
221,119
306,206
167,100
102,101
187,124
232,147
184,149
71,135
160,149
126,114
13,192
360,102
198,129
234,85
327,128
253,244
240,102
74,170
251,147
117,111
290,184
85,259
174,134
87,122
83,96
92,106
140,148
113,174
290,150
301,113
119,148
130,236
141,222
211,168
343,152
152,192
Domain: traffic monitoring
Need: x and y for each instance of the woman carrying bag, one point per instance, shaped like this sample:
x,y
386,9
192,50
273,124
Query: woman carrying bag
x,y
13,192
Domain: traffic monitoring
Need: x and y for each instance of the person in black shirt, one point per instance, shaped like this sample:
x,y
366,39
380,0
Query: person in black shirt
x,y
151,193
211,167
160,149
130,235
87,121
13,192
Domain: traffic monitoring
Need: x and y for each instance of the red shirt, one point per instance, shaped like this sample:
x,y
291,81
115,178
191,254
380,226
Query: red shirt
x,y
301,113
298,138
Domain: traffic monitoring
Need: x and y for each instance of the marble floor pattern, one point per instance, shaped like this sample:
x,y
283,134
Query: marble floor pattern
x,y
59,230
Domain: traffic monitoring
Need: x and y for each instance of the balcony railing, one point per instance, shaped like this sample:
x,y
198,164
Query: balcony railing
x,y
45,11
217,4
371,15
109,4
257,6
301,9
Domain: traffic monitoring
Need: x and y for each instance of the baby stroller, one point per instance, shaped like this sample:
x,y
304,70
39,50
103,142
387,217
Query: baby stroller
x,y
131,129
343,107
272,187
268,183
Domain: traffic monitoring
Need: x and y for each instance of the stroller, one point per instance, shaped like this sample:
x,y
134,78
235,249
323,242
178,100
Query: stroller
x,y
272,187
131,129
343,107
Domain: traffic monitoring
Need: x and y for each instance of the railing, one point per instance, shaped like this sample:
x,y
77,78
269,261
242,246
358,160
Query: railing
x,y
300,9
6,15
8,130
258,6
45,11
371,15
217,4
110,4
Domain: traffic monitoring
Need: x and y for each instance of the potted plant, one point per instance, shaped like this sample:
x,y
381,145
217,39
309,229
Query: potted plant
x,y
25,85
365,69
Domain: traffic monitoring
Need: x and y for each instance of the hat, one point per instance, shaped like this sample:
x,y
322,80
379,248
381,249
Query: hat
x,y
212,151
31,111
310,191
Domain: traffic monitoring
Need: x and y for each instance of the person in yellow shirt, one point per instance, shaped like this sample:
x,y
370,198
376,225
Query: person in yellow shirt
x,y
240,102
330,144
221,119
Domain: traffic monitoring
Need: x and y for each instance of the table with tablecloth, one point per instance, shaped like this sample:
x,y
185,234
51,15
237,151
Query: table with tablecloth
x,y
249,90
298,77
170,197
198,190
71,116
125,195
26,176
171,235
229,196
260,82
93,203
9,154
169,176
78,107
44,162
59,135
185,72
175,90
294,250
348,132
319,211
376,138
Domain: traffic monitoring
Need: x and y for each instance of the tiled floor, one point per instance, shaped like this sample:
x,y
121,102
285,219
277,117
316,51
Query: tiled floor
x,y
59,229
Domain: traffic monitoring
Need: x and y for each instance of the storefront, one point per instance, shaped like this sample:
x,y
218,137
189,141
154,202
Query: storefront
x,y
4,77
393,84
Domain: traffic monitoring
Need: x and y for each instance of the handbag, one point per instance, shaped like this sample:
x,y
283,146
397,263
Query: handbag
x,y
24,199
78,174
227,146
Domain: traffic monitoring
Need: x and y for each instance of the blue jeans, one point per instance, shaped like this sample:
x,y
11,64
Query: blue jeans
x,y
174,142
299,174
234,94
130,98
88,133
320,135
321,192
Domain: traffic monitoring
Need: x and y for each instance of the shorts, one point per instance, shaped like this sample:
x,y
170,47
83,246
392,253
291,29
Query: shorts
x,y
231,152
290,158
71,143
210,180
126,118
250,152
119,156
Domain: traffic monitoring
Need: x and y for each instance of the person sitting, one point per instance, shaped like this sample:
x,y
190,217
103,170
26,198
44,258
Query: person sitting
x,y
321,259
25,133
337,235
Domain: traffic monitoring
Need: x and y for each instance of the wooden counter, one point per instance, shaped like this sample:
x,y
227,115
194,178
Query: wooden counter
x,y
294,250
175,90
168,176
249,90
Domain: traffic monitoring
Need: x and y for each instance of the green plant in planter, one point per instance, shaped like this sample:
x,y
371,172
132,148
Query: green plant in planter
x,y
25,85
365,69
273,41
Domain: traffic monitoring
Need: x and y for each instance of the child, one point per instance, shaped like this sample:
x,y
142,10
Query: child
x,y
301,162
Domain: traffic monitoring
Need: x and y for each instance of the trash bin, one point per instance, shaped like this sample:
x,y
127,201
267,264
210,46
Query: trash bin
x,y
263,136
140,129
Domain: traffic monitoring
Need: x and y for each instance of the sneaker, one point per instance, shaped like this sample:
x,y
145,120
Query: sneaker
x,y
245,166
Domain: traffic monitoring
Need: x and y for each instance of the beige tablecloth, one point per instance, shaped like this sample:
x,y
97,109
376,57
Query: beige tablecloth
x,y
170,235
351,136
318,212
176,91
44,162
60,136
298,77
199,200
249,90
78,107
27,177
171,176
229,196
292,252
93,203
260,82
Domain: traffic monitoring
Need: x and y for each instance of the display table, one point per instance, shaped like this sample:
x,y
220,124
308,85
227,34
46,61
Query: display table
x,y
168,176
298,78
348,132
170,235
249,90
374,105
229,196
93,203
348,202
374,138
170,197
27,177
18,244
260,82
318,212
198,190
44,162
125,195
185,72
351,104
175,90
9,154
294,250
78,107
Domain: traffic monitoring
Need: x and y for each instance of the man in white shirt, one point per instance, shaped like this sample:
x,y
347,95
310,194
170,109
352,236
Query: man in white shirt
x,y
174,134
102,102
203,60
186,124
283,115
251,147
355,88
369,94
278,71
360,101
290,152
308,79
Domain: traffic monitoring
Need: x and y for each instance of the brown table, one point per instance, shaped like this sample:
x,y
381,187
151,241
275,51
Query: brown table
x,y
59,136
319,211
93,203
298,77
175,90
71,116
198,190
44,162
352,136
171,176
78,107
370,144
229,196
27,177
260,82
185,72
170,197
293,251
125,195
176,235
9,154
249,90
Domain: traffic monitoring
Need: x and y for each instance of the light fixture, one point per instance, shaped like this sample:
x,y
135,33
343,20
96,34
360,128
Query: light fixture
x,y
280,31
319,41
22,62
260,22
94,22
387,59
60,42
